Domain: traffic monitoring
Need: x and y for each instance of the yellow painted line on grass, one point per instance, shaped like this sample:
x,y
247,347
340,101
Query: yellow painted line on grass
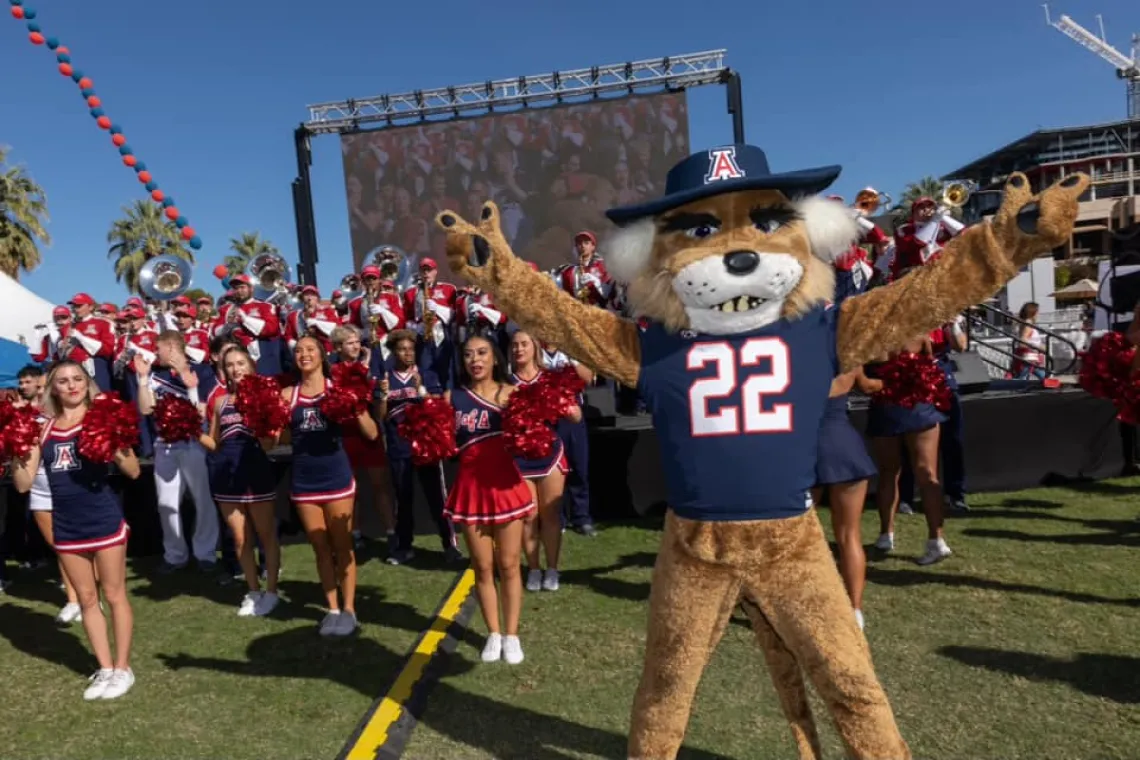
x,y
375,732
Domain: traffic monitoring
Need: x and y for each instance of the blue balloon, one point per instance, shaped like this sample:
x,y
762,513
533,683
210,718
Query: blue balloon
x,y
63,58
140,166
125,150
181,222
195,242
32,26
86,91
116,129
52,42
30,13
17,2
97,112
167,202
151,186
76,75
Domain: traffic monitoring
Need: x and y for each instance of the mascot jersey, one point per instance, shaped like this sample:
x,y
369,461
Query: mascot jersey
x,y
738,416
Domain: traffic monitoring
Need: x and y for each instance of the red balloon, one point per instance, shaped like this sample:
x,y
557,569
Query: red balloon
x,y
65,69
157,195
221,272
118,140
130,160
187,233
171,213
63,49
94,102
85,83
144,176
17,12
36,38
103,122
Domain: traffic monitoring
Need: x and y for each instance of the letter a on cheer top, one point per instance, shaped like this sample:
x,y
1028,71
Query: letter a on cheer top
x,y
722,165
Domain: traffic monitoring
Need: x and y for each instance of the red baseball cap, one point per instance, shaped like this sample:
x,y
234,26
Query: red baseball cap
x,y
370,271
82,299
206,300
186,310
241,279
337,294
61,311
135,301
311,289
124,315
181,300
428,263
108,308
135,312
587,235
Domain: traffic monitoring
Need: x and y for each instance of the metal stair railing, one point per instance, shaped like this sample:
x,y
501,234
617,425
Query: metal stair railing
x,y
988,321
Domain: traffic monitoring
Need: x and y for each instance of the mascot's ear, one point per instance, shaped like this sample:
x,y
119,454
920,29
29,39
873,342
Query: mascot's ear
x,y
627,252
830,226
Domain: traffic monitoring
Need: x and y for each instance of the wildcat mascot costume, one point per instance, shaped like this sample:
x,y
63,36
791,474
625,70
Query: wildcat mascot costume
x,y
734,353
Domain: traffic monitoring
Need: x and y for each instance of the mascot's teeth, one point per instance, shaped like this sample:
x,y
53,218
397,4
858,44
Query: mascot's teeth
x,y
742,303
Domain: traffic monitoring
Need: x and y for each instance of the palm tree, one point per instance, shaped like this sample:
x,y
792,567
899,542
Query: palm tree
x,y
142,233
23,214
245,249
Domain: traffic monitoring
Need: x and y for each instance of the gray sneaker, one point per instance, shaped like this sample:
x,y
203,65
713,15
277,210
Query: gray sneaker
x,y
330,623
346,625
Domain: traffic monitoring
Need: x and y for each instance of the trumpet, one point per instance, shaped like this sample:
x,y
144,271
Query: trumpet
x,y
164,278
955,194
869,200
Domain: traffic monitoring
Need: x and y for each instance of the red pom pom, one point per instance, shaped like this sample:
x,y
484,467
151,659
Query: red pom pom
x,y
103,122
95,102
144,177
350,395
188,232
259,401
568,385
177,419
130,160
171,212
528,419
36,38
1106,368
85,83
17,12
429,426
109,426
65,69
912,379
19,431
158,195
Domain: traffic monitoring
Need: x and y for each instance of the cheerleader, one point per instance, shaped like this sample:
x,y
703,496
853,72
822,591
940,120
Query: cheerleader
x,y
88,529
546,478
323,488
490,499
890,427
576,440
843,468
406,384
243,484
367,456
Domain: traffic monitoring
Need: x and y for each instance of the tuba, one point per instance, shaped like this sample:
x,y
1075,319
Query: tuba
x,y
350,287
271,277
164,278
869,200
957,193
394,265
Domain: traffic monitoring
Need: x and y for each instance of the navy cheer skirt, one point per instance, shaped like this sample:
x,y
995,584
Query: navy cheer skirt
x,y
891,420
842,455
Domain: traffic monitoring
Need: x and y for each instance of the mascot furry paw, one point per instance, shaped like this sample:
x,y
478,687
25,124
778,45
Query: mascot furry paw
x,y
734,355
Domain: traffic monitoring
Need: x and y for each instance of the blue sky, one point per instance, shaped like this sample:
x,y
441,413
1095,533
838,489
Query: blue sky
x,y
209,92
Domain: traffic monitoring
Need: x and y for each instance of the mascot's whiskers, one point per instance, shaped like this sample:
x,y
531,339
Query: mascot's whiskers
x,y
734,355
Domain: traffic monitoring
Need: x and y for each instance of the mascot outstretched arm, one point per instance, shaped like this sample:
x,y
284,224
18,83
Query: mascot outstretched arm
x,y
734,354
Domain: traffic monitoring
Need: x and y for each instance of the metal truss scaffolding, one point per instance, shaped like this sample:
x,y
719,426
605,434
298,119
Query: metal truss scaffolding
x,y
674,72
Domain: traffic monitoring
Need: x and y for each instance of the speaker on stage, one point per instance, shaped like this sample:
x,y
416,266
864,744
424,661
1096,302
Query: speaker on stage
x,y
970,371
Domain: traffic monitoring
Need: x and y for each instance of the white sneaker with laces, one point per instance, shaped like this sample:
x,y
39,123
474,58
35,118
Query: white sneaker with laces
x,y
550,580
265,604
859,619
248,606
512,650
120,683
69,613
885,542
936,551
98,684
493,649
329,623
534,580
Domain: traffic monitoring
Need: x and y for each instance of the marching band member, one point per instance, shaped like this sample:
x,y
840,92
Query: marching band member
x,y
197,339
853,271
109,312
254,323
921,239
477,315
53,339
139,340
587,278
180,466
89,532
428,309
312,319
205,307
91,341
377,312
576,439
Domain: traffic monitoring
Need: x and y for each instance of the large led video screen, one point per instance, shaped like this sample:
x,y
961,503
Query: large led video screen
x,y
552,171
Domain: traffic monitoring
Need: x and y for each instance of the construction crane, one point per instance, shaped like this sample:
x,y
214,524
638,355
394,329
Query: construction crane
x,y
1127,69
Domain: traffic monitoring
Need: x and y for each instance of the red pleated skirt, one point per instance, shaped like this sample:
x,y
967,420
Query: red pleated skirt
x,y
488,488
363,453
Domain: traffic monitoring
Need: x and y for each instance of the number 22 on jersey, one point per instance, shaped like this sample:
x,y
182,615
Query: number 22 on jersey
x,y
750,417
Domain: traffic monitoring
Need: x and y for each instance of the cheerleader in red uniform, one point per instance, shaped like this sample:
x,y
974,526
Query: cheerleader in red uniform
x,y
489,499
545,477
88,529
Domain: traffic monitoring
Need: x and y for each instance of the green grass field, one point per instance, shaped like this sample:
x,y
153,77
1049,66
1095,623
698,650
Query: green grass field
x,y
1025,644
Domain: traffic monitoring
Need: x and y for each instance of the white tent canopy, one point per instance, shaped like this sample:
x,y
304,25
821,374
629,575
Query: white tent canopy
x,y
20,311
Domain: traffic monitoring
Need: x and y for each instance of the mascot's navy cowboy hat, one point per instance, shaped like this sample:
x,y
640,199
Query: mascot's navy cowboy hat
x,y
727,169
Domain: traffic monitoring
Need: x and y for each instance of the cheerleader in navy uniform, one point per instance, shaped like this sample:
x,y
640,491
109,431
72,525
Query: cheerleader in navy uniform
x,y
244,485
545,477
405,383
489,499
576,440
88,529
890,427
323,488
843,467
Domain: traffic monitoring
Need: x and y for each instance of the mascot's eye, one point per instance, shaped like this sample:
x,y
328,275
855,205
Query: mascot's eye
x,y
701,231
768,226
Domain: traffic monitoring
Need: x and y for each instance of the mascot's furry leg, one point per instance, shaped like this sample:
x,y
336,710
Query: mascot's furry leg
x,y
785,570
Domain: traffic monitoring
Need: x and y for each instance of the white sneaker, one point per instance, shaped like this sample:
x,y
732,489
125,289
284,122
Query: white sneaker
x,y
120,683
69,614
329,623
936,551
493,649
248,606
859,619
265,604
512,650
534,580
99,683
885,542
550,581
